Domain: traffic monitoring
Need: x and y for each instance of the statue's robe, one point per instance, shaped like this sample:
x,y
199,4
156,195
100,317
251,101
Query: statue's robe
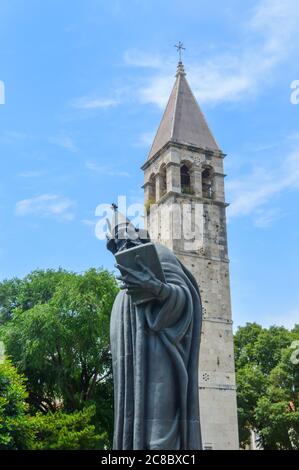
x,y
155,349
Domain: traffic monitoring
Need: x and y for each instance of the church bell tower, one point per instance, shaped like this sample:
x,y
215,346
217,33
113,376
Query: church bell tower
x,y
186,211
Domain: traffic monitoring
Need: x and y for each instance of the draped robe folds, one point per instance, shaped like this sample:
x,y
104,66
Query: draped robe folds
x,y
155,349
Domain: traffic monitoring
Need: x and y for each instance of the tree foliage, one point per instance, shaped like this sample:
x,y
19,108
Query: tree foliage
x,y
38,287
56,392
267,386
57,334
14,427
59,430
65,431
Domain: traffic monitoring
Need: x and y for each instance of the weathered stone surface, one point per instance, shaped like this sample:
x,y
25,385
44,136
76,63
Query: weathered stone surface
x,y
207,259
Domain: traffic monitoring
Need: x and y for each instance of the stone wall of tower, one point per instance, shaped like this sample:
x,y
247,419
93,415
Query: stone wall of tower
x,y
207,259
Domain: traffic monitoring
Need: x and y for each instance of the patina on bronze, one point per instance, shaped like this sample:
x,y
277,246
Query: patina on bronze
x,y
155,350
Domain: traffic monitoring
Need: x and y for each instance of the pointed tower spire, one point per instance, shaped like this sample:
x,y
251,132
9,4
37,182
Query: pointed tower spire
x,y
183,121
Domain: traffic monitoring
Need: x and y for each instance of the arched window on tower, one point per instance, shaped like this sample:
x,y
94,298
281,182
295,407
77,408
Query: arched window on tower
x,y
151,194
152,189
163,180
207,183
185,179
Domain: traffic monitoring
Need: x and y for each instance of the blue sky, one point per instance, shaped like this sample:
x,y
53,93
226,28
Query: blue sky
x,y
85,86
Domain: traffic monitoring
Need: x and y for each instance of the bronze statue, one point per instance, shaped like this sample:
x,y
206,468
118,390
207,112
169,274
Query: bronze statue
x,y
155,334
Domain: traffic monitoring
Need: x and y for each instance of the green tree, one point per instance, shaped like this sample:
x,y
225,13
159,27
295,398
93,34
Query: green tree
x,y
251,385
8,298
277,411
38,287
58,336
15,432
260,346
267,386
59,430
244,341
65,431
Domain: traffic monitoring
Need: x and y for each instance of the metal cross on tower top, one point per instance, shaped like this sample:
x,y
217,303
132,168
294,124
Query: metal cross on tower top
x,y
180,47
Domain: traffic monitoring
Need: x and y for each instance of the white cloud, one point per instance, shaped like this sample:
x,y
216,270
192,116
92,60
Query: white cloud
x,y
211,82
277,22
288,319
294,136
10,137
263,147
138,58
105,170
270,37
254,190
46,205
136,196
157,91
65,142
88,222
32,174
94,103
2,92
265,218
145,139
62,140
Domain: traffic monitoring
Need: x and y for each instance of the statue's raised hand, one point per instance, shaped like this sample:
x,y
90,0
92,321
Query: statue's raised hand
x,y
143,279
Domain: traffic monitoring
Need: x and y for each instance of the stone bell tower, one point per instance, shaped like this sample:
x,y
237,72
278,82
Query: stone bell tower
x,y
185,205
